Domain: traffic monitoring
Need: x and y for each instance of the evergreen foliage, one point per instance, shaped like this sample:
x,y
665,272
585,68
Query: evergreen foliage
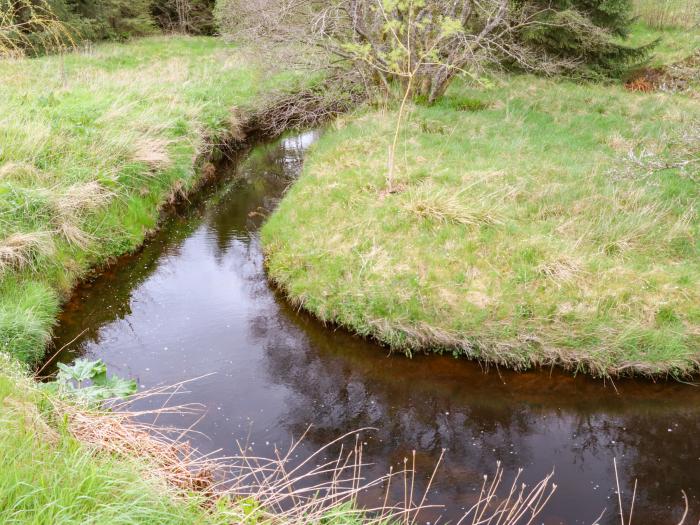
x,y
589,33
113,19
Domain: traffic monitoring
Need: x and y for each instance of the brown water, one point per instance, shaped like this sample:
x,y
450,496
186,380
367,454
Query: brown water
x,y
196,301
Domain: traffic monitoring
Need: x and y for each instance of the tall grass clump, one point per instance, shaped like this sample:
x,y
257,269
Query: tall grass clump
x,y
668,14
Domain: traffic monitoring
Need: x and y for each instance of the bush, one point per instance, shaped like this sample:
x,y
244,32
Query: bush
x,y
113,19
39,26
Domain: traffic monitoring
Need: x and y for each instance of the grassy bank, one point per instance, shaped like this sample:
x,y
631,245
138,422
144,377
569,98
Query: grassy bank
x,y
64,460
47,476
92,143
537,222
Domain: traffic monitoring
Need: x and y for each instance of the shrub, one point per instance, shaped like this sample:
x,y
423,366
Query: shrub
x,y
40,26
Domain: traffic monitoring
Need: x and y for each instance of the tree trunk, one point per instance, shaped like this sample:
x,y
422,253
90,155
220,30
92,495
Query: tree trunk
x,y
441,80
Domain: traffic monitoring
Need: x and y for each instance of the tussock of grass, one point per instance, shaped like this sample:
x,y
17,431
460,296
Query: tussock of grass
x,y
20,250
152,151
432,202
92,144
523,233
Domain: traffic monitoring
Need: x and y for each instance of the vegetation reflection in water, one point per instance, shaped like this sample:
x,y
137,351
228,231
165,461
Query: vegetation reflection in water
x,y
196,301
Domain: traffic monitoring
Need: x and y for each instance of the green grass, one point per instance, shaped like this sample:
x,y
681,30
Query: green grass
x,y
46,476
522,234
674,44
91,145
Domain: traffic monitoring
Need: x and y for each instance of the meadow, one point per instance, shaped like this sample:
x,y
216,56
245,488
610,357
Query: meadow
x,y
532,222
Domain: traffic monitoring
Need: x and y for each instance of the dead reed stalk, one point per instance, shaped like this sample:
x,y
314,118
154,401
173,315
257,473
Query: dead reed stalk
x,y
281,489
627,520
522,504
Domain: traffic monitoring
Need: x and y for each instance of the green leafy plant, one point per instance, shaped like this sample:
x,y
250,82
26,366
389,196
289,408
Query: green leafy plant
x,y
88,380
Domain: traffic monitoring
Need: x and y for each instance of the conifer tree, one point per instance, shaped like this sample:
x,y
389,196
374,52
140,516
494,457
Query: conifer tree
x,y
590,33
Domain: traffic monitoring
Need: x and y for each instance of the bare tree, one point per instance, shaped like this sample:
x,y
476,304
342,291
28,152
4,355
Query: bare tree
x,y
423,44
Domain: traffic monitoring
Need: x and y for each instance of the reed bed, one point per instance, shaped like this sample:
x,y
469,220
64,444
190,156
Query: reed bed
x,y
663,14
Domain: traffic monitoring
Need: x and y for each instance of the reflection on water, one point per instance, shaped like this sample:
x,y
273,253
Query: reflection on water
x,y
195,301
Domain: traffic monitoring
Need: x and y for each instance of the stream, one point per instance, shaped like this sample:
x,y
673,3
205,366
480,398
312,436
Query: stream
x,y
195,301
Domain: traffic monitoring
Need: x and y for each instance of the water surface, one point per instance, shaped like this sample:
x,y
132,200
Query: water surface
x,y
196,301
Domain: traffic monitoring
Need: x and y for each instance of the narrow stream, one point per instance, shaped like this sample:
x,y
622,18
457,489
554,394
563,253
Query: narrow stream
x,y
196,301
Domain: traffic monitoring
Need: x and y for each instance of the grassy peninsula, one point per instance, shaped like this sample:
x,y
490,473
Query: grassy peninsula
x,y
535,222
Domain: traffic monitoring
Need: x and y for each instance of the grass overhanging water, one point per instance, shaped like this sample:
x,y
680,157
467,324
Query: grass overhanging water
x,y
537,222
93,143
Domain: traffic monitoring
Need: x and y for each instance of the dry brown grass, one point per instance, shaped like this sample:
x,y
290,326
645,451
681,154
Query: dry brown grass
x,y
285,493
19,250
152,151
431,202
561,270
283,489
122,433
72,204
80,198
20,172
